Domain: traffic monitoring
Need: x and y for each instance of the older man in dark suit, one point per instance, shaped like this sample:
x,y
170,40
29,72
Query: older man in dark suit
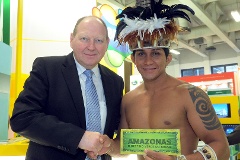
x,y
50,111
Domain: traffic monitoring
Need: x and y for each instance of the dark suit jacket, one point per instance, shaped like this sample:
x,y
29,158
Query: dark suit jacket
x,y
234,137
50,110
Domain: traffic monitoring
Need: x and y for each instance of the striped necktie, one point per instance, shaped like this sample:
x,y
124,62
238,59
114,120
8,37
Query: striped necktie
x,y
93,117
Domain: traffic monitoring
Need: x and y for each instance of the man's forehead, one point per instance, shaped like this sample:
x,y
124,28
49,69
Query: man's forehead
x,y
149,48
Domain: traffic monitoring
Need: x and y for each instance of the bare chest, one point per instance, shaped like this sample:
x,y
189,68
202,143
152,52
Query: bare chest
x,y
158,111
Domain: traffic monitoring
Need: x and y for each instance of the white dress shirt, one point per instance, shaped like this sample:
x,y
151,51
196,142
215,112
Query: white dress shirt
x,y
100,92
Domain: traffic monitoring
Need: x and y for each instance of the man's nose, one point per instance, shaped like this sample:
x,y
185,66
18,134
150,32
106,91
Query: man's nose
x,y
91,44
148,59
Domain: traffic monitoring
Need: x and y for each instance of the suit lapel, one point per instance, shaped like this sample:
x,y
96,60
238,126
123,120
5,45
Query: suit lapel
x,y
108,91
70,74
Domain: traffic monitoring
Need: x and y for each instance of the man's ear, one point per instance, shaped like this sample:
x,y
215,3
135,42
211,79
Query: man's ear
x,y
71,37
169,58
108,40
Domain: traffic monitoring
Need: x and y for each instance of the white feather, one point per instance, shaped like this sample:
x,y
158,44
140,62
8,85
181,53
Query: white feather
x,y
139,25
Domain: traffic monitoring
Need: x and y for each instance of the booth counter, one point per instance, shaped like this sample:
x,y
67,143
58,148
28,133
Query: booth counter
x,y
14,147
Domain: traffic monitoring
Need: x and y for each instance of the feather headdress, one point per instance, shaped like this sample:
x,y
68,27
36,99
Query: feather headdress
x,y
150,24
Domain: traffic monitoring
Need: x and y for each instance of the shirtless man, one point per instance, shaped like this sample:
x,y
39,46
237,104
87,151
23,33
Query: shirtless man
x,y
164,102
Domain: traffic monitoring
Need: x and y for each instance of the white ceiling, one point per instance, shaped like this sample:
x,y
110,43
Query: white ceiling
x,y
211,25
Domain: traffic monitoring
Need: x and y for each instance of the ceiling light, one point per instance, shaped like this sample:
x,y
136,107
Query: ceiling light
x,y
236,16
174,51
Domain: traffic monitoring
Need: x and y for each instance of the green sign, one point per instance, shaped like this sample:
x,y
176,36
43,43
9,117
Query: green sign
x,y
219,92
135,141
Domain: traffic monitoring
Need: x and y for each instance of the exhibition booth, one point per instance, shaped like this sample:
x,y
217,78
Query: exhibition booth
x,y
223,89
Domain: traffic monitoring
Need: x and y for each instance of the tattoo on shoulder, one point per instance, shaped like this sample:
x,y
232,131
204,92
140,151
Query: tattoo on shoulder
x,y
204,108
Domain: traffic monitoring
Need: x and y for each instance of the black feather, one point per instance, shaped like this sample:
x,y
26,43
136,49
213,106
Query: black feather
x,y
120,26
182,6
174,11
146,14
153,4
161,10
178,14
131,12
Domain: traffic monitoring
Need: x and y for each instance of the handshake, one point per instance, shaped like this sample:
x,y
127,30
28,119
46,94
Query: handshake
x,y
94,144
